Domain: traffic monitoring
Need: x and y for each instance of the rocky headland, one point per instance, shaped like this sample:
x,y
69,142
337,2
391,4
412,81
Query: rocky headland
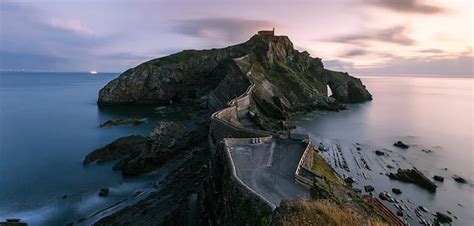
x,y
270,78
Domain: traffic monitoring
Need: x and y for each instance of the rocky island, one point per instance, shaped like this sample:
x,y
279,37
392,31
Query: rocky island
x,y
238,100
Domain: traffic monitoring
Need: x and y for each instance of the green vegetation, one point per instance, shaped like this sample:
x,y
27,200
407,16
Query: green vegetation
x,y
320,166
282,65
247,210
182,56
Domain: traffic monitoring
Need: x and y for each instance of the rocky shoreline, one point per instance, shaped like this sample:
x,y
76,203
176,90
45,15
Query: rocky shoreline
x,y
282,80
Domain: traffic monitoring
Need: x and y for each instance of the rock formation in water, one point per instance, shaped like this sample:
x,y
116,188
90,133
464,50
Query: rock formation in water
x,y
414,176
283,81
138,155
285,77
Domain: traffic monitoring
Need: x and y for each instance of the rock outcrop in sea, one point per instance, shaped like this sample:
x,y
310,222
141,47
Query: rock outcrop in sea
x,y
414,176
289,78
282,81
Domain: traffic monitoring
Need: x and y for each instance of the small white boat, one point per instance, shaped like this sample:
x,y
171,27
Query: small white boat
x,y
93,72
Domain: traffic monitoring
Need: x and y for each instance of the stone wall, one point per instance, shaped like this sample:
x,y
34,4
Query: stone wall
x,y
229,115
228,143
304,167
228,200
220,129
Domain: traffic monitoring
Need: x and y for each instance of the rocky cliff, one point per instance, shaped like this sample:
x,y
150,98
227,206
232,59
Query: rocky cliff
x,y
280,71
282,80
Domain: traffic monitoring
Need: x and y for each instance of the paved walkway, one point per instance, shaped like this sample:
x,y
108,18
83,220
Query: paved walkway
x,y
269,169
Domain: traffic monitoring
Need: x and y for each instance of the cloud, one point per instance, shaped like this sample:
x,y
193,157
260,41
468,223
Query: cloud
x,y
224,29
397,35
462,65
431,51
338,65
40,42
355,52
454,66
29,61
363,52
408,6
74,26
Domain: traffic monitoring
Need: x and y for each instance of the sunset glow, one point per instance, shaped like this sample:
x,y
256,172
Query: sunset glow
x,y
363,36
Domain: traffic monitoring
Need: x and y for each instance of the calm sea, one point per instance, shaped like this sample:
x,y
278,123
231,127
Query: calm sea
x,y
49,122
425,112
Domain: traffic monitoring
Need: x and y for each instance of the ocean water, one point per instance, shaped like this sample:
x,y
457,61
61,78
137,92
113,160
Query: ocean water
x,y
48,124
424,112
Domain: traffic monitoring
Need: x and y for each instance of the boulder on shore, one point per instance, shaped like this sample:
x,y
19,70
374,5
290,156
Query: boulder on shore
x,y
438,178
368,188
401,145
414,176
443,218
396,191
377,152
104,192
385,195
459,179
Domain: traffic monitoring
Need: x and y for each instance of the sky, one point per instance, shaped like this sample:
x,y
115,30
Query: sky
x,y
362,37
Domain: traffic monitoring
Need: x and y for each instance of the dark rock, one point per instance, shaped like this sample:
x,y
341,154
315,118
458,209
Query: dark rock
x,y
390,166
118,122
140,155
414,176
399,213
356,190
426,150
401,145
104,192
396,191
171,204
346,89
322,148
438,178
368,188
422,208
459,179
349,180
377,152
443,218
13,222
64,196
384,195
358,148
118,149
329,104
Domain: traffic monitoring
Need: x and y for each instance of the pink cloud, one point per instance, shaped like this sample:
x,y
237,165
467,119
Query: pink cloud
x,y
70,25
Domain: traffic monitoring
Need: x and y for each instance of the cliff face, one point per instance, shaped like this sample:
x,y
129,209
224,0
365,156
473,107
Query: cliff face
x,y
280,71
282,80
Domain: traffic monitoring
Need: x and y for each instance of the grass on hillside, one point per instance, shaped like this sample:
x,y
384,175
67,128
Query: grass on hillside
x,y
321,212
320,166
